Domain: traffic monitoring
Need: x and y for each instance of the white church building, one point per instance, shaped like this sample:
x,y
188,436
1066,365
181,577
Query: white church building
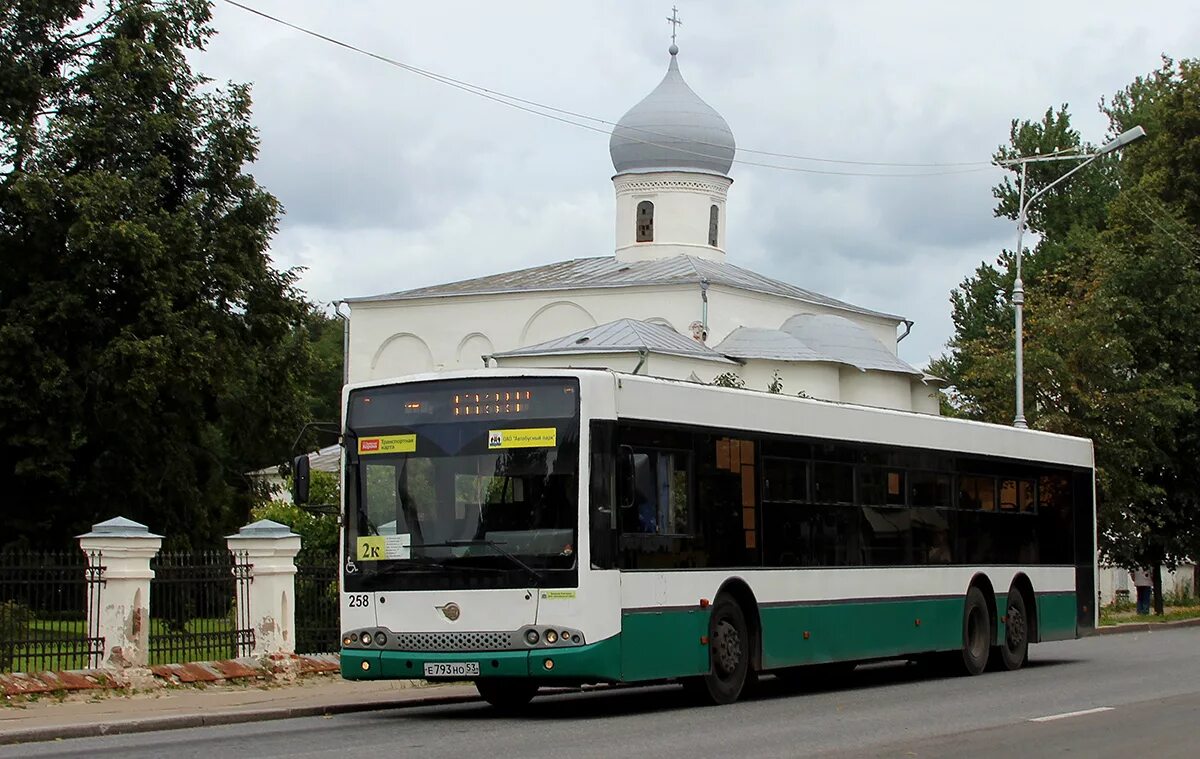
x,y
666,302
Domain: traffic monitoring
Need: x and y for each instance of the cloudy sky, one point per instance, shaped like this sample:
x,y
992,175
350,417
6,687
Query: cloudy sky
x,y
391,181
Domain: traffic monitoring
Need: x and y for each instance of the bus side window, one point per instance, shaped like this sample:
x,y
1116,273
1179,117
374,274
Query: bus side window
x,y
660,503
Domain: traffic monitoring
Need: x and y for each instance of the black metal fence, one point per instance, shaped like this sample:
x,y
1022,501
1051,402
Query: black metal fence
x,y
317,603
44,599
200,607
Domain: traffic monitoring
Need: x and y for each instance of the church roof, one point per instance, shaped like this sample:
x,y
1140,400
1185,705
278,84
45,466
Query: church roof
x,y
672,129
845,342
608,272
621,336
761,342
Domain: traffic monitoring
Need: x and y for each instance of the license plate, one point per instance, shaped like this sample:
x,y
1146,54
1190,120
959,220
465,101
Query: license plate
x,y
452,669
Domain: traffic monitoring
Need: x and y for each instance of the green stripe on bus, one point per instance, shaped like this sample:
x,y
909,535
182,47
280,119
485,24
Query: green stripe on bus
x,y
666,643
845,631
1057,616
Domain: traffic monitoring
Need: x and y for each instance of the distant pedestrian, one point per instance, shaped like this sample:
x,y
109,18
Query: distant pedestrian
x,y
1144,583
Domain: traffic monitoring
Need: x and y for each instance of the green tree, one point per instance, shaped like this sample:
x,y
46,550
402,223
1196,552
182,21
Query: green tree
x,y
326,389
149,352
318,531
1112,318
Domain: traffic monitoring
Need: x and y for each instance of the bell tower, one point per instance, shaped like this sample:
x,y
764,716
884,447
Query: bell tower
x,y
672,153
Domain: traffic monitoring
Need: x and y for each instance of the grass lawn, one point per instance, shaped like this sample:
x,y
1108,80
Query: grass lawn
x,y
1110,616
57,644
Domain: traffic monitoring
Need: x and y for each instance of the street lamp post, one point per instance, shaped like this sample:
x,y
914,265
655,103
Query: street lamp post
x,y
1018,296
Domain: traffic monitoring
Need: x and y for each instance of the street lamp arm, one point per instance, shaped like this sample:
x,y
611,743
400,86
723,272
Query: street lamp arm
x,y
1051,186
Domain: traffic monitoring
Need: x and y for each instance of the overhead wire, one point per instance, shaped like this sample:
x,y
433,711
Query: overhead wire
x,y
1144,209
568,117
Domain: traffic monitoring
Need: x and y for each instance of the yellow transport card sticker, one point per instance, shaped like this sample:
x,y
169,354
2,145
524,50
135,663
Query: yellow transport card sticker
x,y
373,548
558,595
531,437
387,444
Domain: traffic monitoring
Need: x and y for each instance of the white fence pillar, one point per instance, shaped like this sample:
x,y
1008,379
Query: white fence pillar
x,y
122,613
271,548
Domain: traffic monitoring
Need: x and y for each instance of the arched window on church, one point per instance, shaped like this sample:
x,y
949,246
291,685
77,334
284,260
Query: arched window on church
x,y
713,214
645,221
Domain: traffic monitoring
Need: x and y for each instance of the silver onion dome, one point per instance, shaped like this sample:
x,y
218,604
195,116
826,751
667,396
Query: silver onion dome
x,y
672,129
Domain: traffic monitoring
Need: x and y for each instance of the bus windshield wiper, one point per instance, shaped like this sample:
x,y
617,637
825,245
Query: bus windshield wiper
x,y
424,563
537,576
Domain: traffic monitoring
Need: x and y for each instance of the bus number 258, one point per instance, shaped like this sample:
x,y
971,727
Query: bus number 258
x,y
360,600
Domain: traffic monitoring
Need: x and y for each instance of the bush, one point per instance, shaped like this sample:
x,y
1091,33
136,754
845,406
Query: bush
x,y
1180,597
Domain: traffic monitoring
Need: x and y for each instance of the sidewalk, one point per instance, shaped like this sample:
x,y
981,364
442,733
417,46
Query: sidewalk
x,y
86,714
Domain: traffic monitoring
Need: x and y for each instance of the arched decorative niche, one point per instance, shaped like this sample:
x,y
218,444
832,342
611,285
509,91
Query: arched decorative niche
x,y
556,319
402,353
471,348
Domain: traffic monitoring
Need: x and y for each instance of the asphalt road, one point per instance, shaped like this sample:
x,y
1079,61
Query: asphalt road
x,y
1140,694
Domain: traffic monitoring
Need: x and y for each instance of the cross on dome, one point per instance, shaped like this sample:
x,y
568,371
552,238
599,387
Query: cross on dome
x,y
675,23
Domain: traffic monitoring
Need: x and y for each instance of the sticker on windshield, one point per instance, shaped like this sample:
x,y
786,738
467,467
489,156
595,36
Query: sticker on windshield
x,y
532,437
387,444
373,548
397,546
383,547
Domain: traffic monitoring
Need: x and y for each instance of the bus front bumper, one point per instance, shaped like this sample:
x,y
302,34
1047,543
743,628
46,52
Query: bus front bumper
x,y
594,662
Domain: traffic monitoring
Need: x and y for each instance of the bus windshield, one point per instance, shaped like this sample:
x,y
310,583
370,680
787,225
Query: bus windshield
x,y
455,484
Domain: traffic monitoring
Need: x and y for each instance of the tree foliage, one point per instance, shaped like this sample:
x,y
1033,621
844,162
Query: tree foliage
x,y
1112,314
318,532
149,352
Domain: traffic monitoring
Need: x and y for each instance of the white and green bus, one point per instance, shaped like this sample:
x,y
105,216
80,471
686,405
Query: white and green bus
x,y
527,528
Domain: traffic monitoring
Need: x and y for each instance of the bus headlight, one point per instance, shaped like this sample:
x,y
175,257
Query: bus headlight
x,y
532,637
365,638
551,636
380,639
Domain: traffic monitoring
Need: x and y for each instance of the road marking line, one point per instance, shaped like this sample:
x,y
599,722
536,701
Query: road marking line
x,y
1052,717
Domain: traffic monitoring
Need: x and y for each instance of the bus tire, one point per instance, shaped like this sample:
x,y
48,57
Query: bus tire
x,y
506,695
728,653
1014,649
977,635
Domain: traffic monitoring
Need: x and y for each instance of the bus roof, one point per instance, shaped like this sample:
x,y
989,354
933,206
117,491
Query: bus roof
x,y
679,401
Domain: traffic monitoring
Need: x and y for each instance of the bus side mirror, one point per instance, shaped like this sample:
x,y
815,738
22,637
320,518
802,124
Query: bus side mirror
x,y
300,476
626,477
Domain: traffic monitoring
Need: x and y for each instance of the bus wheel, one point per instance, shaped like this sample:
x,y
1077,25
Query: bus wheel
x,y
729,654
1015,648
506,695
977,636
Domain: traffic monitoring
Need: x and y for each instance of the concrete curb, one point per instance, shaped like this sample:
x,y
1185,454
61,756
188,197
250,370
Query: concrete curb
x,y
182,721
1137,627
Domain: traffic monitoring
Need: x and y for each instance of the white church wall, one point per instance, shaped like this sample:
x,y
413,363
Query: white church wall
x,y
876,388
682,204
655,365
562,317
401,353
925,398
473,348
457,330
816,380
622,362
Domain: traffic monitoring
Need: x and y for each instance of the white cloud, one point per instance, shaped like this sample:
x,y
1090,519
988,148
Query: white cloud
x,y
391,181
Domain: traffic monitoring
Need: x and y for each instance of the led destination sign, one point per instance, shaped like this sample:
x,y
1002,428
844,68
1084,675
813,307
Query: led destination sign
x,y
494,403
461,401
